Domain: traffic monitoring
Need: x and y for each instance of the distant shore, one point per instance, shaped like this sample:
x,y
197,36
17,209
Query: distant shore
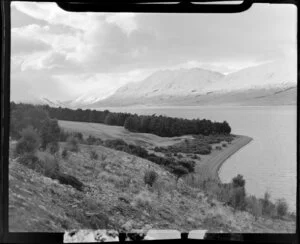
x,y
211,165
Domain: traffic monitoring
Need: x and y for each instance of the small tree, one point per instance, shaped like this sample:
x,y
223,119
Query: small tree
x,y
93,155
179,171
29,142
281,207
150,177
50,133
237,198
64,154
73,144
238,181
268,208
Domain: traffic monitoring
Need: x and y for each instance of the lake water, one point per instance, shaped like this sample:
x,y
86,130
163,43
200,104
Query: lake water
x,y
268,163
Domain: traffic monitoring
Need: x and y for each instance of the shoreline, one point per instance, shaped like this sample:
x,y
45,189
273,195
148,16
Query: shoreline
x,y
210,166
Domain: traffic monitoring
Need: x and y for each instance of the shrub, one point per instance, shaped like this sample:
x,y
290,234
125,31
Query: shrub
x,y
73,144
218,148
48,165
91,140
179,171
26,115
237,198
123,182
150,177
238,181
29,141
69,180
189,165
268,208
143,199
194,156
254,206
158,186
224,144
115,142
53,147
50,133
29,160
63,135
281,207
93,155
65,154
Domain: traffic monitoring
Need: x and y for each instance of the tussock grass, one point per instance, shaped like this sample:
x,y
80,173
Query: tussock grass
x,y
143,200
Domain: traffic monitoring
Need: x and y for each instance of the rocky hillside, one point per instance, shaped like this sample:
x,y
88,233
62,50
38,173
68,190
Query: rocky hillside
x,y
116,197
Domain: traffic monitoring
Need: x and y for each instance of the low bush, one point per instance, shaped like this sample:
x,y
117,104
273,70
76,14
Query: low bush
x,y
48,165
268,208
115,142
194,156
91,140
150,177
78,135
121,145
123,182
72,144
93,155
29,160
159,187
65,154
238,181
254,206
281,207
179,171
189,165
224,144
29,142
143,200
50,133
64,135
237,198
53,147
218,148
69,180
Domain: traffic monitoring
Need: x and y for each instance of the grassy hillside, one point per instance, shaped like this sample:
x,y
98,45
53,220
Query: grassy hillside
x,y
115,197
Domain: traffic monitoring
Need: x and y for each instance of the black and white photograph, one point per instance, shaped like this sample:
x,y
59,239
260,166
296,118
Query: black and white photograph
x,y
131,122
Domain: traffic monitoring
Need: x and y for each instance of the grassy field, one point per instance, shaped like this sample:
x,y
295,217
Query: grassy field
x,y
207,165
113,132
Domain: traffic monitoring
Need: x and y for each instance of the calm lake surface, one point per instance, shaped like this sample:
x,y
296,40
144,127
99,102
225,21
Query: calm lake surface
x,y
268,163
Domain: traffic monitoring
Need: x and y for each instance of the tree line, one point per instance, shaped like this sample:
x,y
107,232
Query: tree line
x,y
159,125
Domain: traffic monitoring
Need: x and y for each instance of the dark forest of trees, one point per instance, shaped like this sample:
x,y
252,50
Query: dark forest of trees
x,y
159,125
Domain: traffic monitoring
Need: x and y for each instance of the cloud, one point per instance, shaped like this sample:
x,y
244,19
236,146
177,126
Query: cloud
x,y
24,44
100,50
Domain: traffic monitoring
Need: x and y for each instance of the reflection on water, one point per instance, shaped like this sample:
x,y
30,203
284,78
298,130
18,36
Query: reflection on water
x,y
269,161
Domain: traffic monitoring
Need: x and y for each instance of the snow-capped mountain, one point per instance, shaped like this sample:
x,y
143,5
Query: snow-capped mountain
x,y
273,83
199,86
276,74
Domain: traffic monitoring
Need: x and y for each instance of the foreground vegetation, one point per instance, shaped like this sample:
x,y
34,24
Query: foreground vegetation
x,y
84,164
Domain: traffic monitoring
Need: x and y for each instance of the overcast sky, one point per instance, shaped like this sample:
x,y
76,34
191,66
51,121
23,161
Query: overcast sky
x,y
62,55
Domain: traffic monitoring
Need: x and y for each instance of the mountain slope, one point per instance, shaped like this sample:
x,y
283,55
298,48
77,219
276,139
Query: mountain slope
x,y
176,83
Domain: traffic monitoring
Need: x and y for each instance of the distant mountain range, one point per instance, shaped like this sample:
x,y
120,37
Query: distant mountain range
x,y
273,83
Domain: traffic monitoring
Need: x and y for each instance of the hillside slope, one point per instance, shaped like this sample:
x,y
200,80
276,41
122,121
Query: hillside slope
x,y
116,197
